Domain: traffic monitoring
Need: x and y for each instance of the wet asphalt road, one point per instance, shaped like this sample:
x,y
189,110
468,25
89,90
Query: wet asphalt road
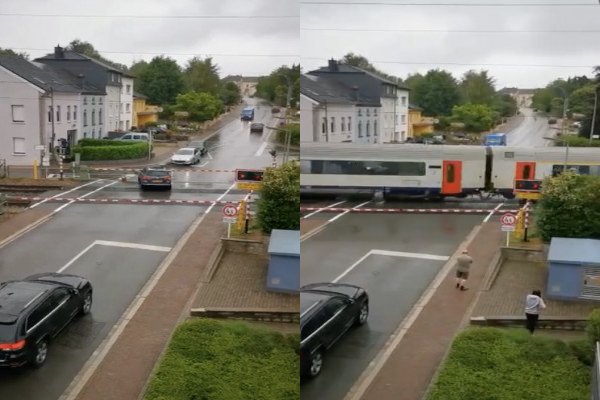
x,y
394,282
118,273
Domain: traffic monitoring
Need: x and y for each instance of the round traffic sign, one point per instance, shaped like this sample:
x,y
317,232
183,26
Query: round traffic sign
x,y
508,219
230,210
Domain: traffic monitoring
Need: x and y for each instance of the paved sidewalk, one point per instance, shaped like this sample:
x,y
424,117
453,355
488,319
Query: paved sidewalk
x,y
409,370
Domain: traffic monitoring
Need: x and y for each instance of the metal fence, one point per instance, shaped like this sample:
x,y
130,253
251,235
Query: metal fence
x,y
595,387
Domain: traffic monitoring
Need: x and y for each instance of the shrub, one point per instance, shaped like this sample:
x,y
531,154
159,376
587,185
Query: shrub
x,y
295,132
117,150
592,327
583,350
279,201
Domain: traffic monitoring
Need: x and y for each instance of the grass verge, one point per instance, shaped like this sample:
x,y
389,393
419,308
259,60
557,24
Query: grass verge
x,y
507,364
227,360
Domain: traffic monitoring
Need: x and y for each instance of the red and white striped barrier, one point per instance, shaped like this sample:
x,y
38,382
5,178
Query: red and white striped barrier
x,y
404,210
175,170
119,201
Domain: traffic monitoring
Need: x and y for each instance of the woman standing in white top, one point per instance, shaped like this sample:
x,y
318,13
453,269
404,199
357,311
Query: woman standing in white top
x,y
533,304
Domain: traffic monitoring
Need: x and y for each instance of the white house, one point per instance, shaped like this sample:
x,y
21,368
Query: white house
x,y
343,103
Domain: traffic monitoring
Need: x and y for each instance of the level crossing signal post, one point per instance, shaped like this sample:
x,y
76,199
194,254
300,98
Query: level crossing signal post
x,y
251,180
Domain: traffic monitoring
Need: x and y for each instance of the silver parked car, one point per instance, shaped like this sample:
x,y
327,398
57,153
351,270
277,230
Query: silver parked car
x,y
186,156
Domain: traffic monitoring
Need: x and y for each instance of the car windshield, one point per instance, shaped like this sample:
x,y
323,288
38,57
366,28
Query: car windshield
x,y
185,152
157,172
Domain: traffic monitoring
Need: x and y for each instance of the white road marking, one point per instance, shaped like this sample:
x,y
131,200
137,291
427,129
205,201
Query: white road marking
x,y
63,193
203,164
486,219
114,244
347,211
81,197
393,254
208,154
261,149
219,199
324,208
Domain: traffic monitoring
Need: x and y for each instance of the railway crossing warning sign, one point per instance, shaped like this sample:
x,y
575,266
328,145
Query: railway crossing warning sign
x,y
508,222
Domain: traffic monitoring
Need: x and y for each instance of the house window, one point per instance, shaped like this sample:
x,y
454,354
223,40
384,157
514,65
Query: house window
x,y
128,89
100,100
18,113
332,124
359,128
84,135
349,124
374,112
49,113
100,116
127,125
360,112
368,112
403,100
93,133
57,113
74,113
127,107
18,146
368,128
93,117
84,100
68,113
343,124
375,128
99,132
324,125
403,118
84,117
93,101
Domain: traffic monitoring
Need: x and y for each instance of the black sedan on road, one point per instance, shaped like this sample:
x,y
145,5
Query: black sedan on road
x,y
158,177
35,310
327,311
257,127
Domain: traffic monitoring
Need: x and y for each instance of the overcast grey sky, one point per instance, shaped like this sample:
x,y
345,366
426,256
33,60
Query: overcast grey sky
x,y
269,42
523,54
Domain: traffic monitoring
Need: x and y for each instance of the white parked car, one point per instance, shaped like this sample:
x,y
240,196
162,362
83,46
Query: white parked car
x,y
186,156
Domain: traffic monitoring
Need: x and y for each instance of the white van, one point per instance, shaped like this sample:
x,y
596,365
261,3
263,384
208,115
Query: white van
x,y
135,136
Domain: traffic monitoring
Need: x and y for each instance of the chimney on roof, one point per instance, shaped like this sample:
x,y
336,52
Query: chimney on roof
x,y
355,90
333,66
59,52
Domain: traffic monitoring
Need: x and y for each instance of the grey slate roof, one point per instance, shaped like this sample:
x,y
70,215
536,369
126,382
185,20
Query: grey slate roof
x,y
45,77
284,242
568,250
324,89
73,56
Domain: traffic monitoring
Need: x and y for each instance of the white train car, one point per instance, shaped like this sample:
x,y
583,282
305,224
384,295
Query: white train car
x,y
512,163
399,169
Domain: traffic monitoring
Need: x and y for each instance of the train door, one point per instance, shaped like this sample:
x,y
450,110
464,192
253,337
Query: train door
x,y
525,170
452,177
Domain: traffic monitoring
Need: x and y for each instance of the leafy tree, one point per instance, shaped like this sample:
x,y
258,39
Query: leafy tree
x,y
137,68
361,62
569,207
412,81
477,88
230,94
505,105
161,81
437,93
274,87
87,49
279,202
476,117
200,106
202,76
10,52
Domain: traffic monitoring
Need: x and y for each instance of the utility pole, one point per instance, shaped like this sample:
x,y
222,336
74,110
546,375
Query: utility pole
x,y
594,114
51,149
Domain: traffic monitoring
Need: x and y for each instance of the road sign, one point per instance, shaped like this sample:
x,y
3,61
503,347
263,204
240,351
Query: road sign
x,y
508,222
249,185
40,147
230,211
230,220
46,161
249,175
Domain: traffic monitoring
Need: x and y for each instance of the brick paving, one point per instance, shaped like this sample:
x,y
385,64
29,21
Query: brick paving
x,y
515,280
240,282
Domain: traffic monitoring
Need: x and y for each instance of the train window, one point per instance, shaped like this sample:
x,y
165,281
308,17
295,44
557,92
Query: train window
x,y
387,168
450,173
509,154
435,166
527,172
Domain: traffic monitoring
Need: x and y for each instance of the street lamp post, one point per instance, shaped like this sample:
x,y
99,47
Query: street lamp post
x,y
594,114
565,105
288,139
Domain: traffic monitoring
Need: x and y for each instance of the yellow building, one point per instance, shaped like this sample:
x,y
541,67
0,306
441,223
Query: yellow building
x,y
144,113
417,123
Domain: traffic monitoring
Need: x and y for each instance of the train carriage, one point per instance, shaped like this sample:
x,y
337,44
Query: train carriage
x,y
408,169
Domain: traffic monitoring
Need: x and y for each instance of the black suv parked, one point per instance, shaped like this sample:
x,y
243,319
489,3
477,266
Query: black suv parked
x,y
327,311
35,310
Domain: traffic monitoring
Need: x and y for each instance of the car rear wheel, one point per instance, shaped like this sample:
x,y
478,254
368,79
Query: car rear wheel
x,y
363,314
316,363
40,353
86,306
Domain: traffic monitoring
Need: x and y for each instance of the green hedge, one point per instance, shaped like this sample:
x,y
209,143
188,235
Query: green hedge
x,y
94,149
225,360
295,139
510,364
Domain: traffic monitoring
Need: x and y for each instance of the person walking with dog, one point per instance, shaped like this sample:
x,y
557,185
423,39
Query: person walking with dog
x,y
463,264
533,304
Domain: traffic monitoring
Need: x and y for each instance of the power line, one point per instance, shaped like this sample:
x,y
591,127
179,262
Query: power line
x,y
467,64
454,31
149,16
135,52
453,4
